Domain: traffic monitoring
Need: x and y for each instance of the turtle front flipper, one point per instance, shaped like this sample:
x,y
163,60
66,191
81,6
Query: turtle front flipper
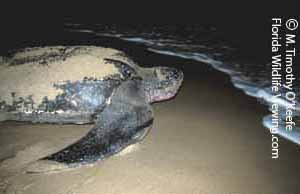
x,y
123,122
106,138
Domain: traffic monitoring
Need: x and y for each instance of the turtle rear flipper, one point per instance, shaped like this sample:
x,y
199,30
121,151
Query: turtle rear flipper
x,y
123,122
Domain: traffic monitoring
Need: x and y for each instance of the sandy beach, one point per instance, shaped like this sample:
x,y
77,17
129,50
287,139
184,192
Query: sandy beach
x,y
208,140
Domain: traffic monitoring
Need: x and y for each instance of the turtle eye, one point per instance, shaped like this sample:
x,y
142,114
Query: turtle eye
x,y
127,72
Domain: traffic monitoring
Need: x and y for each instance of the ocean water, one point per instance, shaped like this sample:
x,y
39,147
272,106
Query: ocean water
x,y
205,44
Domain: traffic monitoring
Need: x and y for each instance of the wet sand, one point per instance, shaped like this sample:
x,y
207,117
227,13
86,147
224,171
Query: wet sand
x,y
208,140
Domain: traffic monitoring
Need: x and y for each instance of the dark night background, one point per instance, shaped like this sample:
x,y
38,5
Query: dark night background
x,y
250,35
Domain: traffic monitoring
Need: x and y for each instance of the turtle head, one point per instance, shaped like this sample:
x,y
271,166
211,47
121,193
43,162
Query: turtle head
x,y
162,83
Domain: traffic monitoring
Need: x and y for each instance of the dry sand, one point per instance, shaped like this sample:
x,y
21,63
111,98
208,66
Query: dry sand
x,y
208,140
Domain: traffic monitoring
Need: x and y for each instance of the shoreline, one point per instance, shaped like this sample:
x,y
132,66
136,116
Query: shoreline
x,y
209,139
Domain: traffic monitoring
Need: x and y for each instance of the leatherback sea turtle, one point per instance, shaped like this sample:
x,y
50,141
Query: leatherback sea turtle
x,y
84,84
